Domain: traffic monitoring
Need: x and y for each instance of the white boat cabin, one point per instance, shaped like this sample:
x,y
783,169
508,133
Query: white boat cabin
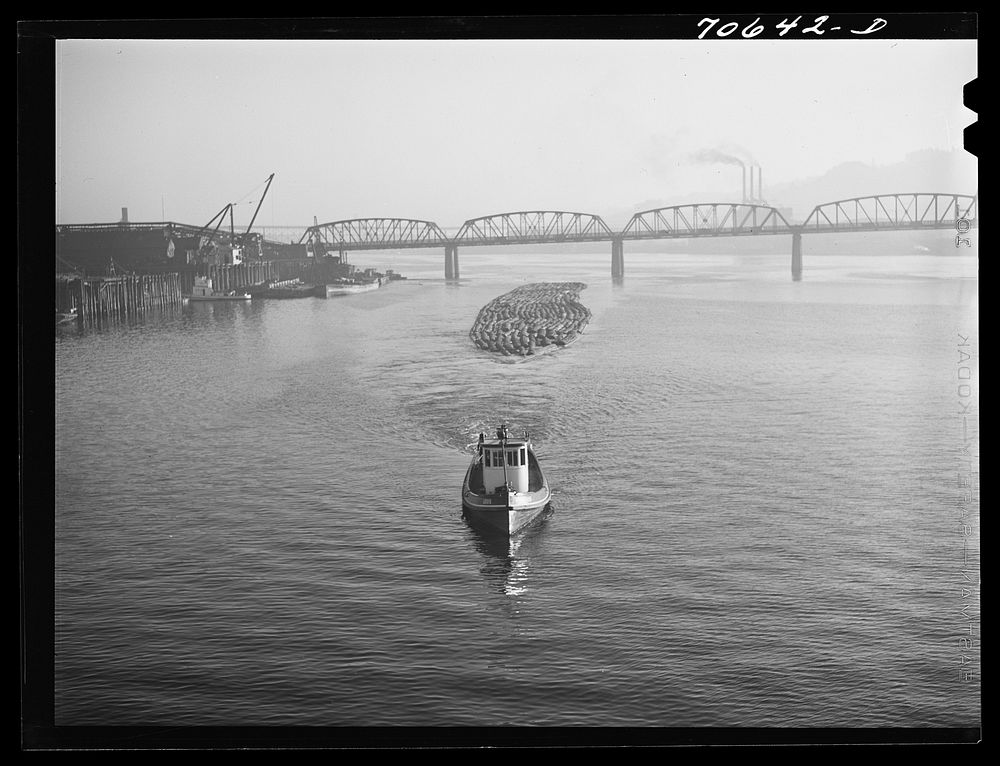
x,y
202,287
505,462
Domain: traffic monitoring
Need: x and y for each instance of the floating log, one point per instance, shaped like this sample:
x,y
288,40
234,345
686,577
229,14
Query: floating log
x,y
530,317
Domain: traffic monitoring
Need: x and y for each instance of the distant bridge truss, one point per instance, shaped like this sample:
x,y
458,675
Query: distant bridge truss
x,y
880,212
887,212
533,227
376,234
709,219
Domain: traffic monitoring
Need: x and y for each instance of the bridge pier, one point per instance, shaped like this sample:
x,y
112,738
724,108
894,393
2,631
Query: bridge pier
x,y
797,256
617,258
451,261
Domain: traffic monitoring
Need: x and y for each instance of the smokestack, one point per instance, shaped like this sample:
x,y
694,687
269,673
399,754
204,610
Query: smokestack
x,y
124,215
760,185
744,181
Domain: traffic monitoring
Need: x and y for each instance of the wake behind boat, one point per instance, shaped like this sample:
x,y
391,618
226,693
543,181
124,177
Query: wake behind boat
x,y
504,487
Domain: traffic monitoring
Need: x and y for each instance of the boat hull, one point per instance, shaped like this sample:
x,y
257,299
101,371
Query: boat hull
x,y
333,291
200,298
499,518
503,511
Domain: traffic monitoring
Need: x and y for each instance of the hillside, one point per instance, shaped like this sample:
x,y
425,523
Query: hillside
x,y
929,170
925,171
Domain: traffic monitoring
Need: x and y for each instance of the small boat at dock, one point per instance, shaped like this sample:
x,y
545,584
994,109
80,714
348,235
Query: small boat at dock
x,y
65,317
202,291
504,488
351,286
291,288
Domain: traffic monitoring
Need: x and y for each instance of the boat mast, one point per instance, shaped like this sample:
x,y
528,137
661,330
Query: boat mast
x,y
502,433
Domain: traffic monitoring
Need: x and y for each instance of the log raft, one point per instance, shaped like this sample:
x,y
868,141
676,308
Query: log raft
x,y
530,319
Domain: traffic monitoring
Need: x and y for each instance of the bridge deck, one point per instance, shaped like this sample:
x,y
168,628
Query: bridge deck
x,y
886,212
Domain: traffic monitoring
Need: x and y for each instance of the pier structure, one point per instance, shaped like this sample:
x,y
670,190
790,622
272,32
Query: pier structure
x,y
142,245
451,270
797,256
618,258
94,299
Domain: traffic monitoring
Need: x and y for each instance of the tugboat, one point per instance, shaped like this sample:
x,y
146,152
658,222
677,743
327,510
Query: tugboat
x,y
202,291
504,487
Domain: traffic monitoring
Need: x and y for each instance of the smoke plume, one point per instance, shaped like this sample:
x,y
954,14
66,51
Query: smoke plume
x,y
725,154
717,156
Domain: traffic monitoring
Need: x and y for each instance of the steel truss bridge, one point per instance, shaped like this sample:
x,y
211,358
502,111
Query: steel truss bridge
x,y
375,234
893,212
534,227
883,212
713,219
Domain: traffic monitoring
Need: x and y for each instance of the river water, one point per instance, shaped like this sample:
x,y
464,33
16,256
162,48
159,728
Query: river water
x,y
756,516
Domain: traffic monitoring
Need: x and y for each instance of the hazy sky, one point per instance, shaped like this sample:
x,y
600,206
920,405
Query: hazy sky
x,y
448,130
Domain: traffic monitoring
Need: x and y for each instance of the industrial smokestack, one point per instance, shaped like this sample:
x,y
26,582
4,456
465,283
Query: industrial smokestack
x,y
744,181
124,215
760,185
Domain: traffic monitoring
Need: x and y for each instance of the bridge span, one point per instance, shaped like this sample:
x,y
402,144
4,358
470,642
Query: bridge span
x,y
881,212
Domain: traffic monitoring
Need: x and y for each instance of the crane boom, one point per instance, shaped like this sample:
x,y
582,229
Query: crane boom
x,y
219,217
269,179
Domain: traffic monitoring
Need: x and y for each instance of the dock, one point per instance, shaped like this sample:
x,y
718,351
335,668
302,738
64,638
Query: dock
x,y
127,295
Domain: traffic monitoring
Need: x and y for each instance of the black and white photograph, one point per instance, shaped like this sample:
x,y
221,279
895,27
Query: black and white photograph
x,y
467,382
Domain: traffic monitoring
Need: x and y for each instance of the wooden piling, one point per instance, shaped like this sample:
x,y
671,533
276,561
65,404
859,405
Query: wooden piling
x,y
98,298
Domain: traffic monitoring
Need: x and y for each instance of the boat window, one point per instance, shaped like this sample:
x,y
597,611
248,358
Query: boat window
x,y
524,455
486,457
511,460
